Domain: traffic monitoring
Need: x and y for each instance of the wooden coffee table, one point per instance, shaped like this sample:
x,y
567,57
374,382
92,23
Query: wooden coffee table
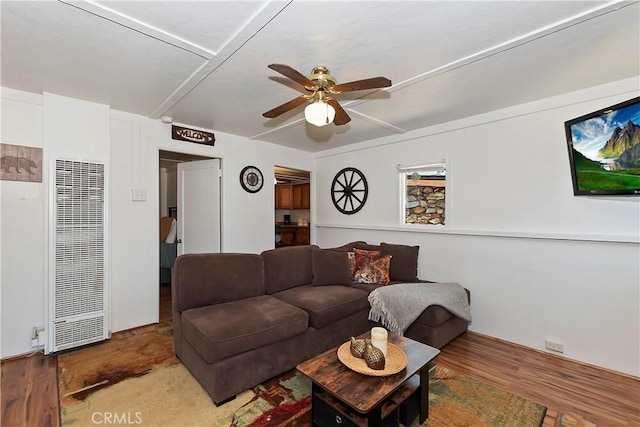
x,y
344,397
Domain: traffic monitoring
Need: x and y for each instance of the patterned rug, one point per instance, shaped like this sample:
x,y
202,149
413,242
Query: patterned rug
x,y
135,380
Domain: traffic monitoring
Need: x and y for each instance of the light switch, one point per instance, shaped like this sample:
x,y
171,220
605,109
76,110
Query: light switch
x,y
138,194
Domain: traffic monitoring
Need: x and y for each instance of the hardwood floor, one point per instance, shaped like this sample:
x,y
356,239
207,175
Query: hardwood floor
x,y
603,397
30,393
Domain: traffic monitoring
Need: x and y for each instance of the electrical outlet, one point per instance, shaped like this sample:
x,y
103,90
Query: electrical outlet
x,y
554,345
37,337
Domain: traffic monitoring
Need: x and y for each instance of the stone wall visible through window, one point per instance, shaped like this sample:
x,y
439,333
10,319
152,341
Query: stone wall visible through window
x,y
424,195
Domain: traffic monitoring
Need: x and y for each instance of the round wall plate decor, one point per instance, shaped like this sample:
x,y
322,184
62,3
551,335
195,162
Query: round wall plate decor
x,y
349,191
251,179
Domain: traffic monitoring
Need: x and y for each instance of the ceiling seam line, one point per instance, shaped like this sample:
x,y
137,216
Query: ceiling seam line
x,y
377,122
156,112
142,32
481,55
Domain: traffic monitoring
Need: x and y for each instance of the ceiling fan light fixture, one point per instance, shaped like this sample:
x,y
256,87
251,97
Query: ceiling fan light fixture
x,y
319,113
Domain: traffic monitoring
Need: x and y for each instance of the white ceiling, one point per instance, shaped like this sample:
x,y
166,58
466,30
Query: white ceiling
x,y
205,62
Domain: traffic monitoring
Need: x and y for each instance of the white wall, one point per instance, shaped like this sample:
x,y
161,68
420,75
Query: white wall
x,y
64,128
129,144
172,188
22,230
539,262
247,219
163,210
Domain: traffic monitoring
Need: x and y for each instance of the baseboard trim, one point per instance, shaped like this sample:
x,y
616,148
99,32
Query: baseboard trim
x,y
555,356
21,356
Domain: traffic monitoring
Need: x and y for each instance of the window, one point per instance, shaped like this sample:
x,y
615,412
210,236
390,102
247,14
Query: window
x,y
423,193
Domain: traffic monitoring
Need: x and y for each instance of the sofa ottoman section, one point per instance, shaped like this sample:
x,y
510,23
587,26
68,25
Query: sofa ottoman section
x,y
326,304
439,335
220,331
437,326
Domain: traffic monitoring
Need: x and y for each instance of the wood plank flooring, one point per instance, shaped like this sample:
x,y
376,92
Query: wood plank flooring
x,y
603,397
30,393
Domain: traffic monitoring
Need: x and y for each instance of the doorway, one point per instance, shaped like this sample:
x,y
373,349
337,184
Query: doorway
x,y
171,170
292,206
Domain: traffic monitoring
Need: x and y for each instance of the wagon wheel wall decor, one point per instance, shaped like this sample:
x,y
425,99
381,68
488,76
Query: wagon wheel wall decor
x,y
349,191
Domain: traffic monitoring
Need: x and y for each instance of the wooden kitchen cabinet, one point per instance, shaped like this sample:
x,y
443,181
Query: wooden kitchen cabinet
x,y
302,236
306,196
301,195
284,197
293,196
288,237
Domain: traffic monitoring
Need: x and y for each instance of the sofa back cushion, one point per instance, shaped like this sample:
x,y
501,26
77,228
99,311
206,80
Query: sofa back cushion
x,y
330,267
287,267
404,261
214,278
357,245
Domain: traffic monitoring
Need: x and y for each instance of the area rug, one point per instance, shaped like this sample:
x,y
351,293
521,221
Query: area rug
x,y
136,380
155,389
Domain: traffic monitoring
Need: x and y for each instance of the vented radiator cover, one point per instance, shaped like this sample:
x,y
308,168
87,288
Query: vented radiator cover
x,y
78,294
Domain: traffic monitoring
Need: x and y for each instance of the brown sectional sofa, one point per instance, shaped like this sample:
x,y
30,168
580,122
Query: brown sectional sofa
x,y
240,319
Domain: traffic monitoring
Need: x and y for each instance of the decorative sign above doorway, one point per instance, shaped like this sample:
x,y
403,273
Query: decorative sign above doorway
x,y
192,135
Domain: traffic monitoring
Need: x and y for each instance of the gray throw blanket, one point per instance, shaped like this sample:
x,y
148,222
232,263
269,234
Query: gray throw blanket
x,y
397,306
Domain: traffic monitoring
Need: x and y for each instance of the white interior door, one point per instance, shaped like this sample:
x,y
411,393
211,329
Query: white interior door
x,y
199,206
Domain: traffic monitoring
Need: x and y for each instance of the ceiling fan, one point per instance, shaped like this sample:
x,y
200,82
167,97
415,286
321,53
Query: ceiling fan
x,y
324,109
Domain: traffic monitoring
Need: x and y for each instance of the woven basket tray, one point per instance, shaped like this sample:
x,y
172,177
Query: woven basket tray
x,y
395,362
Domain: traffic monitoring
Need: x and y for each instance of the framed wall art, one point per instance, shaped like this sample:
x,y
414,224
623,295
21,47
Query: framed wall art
x,y
20,163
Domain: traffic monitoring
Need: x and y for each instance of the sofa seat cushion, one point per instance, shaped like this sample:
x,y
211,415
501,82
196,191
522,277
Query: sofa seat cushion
x,y
223,330
326,304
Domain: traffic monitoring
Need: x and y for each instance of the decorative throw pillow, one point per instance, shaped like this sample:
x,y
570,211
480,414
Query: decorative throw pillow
x,y
330,267
376,271
351,259
364,257
404,261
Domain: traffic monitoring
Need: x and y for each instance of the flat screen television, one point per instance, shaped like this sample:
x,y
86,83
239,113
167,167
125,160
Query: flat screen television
x,y
604,151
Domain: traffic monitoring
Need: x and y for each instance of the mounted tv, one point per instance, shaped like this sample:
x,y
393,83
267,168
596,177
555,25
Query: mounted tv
x,y
604,151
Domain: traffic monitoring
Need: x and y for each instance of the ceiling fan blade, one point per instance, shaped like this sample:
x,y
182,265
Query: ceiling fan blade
x,y
372,83
294,75
281,109
341,118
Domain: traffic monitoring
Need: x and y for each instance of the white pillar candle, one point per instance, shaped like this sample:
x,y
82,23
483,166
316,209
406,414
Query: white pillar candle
x,y
379,339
